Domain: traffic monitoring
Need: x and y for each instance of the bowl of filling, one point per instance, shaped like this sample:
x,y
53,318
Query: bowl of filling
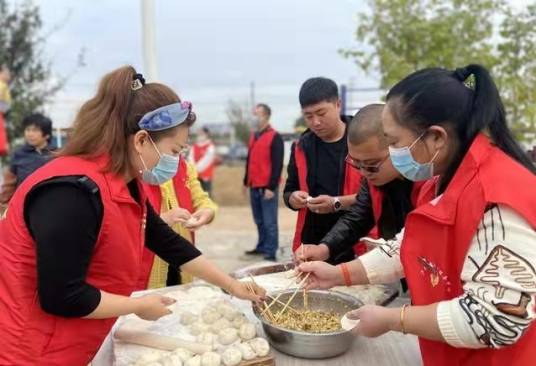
x,y
309,325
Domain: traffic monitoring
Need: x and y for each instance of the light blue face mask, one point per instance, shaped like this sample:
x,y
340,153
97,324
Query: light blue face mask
x,y
406,165
164,170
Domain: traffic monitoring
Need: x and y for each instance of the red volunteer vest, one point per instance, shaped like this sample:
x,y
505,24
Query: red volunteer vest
x,y
29,335
4,144
199,151
154,195
352,182
260,159
438,234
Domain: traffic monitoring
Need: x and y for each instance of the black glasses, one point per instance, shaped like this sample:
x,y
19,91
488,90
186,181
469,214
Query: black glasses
x,y
368,168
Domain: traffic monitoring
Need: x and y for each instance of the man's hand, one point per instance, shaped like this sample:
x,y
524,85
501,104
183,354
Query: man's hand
x,y
311,252
322,204
268,194
298,199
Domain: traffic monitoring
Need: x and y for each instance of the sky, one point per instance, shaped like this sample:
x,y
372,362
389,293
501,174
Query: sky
x,y
208,51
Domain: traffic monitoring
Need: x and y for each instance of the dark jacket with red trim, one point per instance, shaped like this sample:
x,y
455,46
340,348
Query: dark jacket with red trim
x,y
396,200
316,225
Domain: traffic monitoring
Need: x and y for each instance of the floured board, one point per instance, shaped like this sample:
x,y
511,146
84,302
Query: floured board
x,y
260,361
192,298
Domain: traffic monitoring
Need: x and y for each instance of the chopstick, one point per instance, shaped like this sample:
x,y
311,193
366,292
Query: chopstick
x,y
293,296
269,313
291,282
305,298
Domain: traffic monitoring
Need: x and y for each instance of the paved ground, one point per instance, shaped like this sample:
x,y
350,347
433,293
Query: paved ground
x,y
234,232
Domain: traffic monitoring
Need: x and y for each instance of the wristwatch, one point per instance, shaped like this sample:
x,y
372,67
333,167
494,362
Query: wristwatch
x,y
337,205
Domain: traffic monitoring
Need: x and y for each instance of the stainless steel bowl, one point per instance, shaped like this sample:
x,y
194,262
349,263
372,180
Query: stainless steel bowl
x,y
311,345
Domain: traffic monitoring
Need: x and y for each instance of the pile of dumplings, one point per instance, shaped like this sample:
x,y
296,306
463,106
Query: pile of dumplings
x,y
223,327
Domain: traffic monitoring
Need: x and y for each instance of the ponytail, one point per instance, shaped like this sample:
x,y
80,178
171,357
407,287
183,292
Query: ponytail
x,y
487,114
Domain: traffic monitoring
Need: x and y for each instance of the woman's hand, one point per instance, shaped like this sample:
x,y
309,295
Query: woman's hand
x,y
242,291
153,307
199,218
322,275
175,216
374,320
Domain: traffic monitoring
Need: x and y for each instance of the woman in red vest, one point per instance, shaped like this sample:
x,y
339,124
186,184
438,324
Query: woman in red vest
x,y
72,241
468,250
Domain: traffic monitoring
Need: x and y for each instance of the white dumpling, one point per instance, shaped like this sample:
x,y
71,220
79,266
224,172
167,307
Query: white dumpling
x,y
194,361
210,359
207,338
171,360
227,311
227,336
260,346
247,331
239,320
199,327
210,315
219,325
183,354
154,363
247,352
231,356
188,318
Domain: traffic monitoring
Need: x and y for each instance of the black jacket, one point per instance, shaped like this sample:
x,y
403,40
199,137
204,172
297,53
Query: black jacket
x,y
316,225
359,219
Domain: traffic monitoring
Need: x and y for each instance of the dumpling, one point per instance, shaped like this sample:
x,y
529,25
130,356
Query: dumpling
x,y
199,327
210,359
227,311
247,352
260,346
188,318
183,354
239,320
194,361
227,336
231,356
247,331
207,338
219,325
210,315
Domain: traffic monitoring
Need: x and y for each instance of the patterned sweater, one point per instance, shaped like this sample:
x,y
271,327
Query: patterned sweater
x,y
498,276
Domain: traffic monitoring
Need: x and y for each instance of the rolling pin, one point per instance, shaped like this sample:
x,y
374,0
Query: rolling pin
x,y
143,338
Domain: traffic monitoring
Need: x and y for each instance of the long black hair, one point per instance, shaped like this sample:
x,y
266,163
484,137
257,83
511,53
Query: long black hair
x,y
436,96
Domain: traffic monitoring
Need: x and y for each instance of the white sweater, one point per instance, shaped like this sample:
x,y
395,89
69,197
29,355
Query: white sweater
x,y
498,276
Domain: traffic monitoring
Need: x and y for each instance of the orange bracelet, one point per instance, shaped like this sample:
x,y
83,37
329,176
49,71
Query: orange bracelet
x,y
346,274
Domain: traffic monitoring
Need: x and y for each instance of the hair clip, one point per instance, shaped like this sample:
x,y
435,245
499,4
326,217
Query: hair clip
x,y
137,82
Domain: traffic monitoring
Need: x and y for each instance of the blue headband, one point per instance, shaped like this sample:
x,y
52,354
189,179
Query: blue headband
x,y
166,117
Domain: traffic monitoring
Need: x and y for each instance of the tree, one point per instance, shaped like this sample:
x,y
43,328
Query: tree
x,y
517,69
299,124
398,37
21,50
239,121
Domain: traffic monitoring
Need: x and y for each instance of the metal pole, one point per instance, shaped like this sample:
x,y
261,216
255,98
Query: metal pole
x,y
149,40
344,100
